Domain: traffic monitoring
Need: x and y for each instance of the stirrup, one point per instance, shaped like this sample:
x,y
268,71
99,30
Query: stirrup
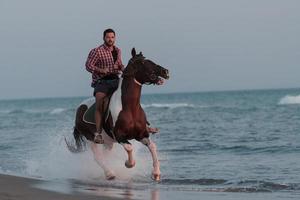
x,y
98,138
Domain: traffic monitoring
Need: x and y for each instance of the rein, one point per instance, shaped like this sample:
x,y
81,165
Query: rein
x,y
137,82
133,71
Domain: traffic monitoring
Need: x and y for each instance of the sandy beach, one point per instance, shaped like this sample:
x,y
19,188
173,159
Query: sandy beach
x,y
20,188
17,188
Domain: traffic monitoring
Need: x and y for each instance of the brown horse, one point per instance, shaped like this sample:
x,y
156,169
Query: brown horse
x,y
125,119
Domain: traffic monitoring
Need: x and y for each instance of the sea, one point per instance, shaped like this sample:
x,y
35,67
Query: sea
x,y
211,145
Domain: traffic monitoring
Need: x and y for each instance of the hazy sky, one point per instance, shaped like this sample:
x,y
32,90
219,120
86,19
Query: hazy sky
x,y
206,45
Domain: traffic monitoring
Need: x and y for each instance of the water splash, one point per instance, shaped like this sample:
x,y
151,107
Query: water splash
x,y
58,163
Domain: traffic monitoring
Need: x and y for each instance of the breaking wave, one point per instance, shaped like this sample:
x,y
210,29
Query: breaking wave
x,y
168,105
289,99
57,110
37,111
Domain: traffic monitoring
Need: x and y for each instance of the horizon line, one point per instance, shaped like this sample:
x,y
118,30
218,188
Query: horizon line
x,y
159,93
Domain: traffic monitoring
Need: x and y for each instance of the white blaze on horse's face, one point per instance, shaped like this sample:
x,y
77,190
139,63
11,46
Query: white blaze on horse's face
x,y
146,70
153,73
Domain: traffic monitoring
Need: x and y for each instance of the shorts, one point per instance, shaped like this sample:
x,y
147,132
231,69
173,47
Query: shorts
x,y
106,86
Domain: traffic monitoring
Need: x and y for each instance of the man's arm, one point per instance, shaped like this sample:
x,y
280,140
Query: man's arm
x,y
119,63
91,61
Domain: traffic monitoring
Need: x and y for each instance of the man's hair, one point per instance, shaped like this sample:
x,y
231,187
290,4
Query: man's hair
x,y
109,30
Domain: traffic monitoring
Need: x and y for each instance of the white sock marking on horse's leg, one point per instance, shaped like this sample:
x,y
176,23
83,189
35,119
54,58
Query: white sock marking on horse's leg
x,y
98,156
153,151
152,148
130,162
108,142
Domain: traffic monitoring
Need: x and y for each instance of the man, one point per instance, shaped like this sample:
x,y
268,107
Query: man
x,y
105,63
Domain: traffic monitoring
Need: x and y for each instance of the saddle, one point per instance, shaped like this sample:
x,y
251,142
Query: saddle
x,y
107,123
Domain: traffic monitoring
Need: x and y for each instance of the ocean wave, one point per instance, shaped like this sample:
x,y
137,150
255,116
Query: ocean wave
x,y
21,111
239,149
168,105
245,149
222,185
195,185
202,181
16,111
260,186
35,111
57,110
269,185
289,99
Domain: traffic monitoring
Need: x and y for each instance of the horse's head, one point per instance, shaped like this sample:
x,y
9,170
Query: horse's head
x,y
144,70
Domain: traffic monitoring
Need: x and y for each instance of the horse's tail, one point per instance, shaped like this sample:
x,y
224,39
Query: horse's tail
x,y
80,144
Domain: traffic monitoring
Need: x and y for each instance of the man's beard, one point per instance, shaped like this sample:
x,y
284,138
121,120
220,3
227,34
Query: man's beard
x,y
109,43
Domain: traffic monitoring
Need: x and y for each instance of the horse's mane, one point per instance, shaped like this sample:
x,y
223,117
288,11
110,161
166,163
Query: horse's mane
x,y
131,68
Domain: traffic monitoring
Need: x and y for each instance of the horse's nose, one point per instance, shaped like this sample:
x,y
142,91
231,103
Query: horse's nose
x,y
167,73
164,72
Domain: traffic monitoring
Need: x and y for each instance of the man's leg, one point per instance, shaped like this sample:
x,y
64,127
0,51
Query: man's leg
x,y
98,116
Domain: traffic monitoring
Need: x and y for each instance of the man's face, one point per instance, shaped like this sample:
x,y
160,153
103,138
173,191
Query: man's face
x,y
109,39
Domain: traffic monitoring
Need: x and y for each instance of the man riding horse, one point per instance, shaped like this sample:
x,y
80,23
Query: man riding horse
x,y
105,64
124,119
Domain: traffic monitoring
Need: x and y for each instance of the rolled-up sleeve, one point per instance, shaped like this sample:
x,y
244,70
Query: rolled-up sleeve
x,y
92,59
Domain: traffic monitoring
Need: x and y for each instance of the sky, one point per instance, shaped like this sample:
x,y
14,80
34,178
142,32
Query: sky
x,y
207,45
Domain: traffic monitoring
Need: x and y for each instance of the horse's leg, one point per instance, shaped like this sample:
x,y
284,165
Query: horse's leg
x,y
152,148
99,159
130,162
108,146
108,142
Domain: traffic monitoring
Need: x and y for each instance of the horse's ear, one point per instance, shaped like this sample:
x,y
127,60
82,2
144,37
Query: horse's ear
x,y
133,52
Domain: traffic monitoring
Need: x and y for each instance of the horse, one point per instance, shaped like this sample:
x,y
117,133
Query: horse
x,y
124,118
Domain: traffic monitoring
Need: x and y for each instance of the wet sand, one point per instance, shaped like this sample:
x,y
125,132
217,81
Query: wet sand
x,y
19,188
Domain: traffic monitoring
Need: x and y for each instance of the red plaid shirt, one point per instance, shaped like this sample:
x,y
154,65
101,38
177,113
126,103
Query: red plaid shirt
x,y
101,57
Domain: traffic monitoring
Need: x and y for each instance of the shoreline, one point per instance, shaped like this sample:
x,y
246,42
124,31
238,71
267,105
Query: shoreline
x,y
21,188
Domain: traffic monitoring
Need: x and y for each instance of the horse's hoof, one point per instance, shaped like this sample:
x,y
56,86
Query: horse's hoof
x,y
129,165
156,177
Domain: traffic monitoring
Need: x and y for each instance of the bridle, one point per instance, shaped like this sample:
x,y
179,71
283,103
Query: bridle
x,y
134,70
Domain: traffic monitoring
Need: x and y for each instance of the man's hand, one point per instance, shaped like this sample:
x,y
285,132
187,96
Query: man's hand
x,y
119,66
118,69
116,66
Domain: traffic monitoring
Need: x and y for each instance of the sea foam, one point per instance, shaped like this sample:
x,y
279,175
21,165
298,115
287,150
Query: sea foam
x,y
289,99
57,110
167,105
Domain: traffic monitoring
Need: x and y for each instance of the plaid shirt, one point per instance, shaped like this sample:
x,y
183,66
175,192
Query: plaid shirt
x,y
101,57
